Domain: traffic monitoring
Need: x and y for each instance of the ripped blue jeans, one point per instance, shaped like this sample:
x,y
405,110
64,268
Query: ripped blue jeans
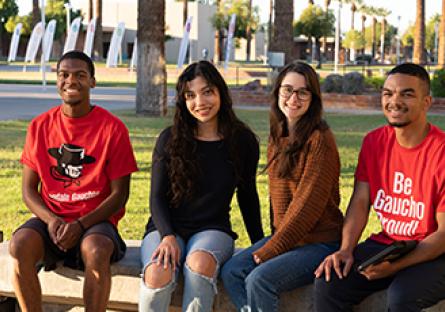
x,y
199,290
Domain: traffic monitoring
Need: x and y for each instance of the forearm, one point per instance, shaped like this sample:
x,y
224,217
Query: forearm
x,y
353,227
36,205
250,209
356,217
428,249
111,205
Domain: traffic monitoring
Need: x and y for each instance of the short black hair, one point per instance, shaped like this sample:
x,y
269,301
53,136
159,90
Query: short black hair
x,y
77,55
415,70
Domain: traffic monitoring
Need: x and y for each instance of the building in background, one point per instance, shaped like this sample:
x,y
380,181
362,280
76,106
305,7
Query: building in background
x,y
201,34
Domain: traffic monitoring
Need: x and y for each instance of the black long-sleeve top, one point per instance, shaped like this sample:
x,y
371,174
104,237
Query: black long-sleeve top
x,y
209,209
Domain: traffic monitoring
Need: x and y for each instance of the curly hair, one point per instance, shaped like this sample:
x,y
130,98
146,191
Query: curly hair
x,y
306,125
182,162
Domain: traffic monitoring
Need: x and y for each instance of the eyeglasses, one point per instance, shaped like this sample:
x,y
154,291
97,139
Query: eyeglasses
x,y
303,94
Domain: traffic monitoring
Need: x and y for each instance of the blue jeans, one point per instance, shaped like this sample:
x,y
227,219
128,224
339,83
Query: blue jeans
x,y
253,287
412,289
199,290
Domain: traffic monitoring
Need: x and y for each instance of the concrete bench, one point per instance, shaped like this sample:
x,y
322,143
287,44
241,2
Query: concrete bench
x,y
62,289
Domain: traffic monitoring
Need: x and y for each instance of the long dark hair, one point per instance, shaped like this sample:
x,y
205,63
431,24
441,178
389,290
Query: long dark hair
x,y
306,125
181,148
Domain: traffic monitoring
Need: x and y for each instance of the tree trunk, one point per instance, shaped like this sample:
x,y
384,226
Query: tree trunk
x,y
419,34
35,12
184,12
219,37
98,41
270,27
325,43
283,39
318,54
363,30
151,88
353,9
382,40
441,58
248,31
90,10
373,35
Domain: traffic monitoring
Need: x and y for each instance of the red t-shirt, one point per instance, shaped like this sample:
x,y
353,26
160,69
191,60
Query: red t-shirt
x,y
407,185
76,158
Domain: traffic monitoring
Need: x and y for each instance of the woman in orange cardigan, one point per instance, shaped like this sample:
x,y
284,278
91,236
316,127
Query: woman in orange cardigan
x,y
303,169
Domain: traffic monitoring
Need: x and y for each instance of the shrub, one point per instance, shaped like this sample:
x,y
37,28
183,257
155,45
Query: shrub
x,y
353,83
333,83
376,83
438,83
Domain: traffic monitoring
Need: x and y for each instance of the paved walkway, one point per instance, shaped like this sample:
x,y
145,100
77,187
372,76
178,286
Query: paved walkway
x,y
28,101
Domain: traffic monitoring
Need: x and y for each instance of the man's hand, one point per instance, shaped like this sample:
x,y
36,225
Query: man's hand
x,y
68,234
167,252
380,270
53,227
337,260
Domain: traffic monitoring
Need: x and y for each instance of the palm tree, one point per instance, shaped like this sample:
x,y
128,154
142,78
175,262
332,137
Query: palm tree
x,y
151,87
184,12
270,26
35,12
419,34
364,10
441,58
327,3
383,13
248,30
283,39
219,34
98,41
90,10
374,12
355,5
353,10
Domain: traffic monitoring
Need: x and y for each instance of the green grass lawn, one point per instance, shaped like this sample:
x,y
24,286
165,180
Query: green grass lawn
x,y
349,131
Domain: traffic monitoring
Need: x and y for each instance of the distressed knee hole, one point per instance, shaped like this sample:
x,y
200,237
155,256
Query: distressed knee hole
x,y
155,276
202,262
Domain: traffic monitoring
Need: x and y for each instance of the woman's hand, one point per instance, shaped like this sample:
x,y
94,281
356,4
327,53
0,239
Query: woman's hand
x,y
167,252
256,259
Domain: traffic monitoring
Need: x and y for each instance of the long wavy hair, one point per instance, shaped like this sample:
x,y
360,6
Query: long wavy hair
x,y
306,125
182,147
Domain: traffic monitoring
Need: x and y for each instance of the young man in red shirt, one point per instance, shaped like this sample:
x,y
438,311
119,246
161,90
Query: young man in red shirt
x,y
77,162
401,173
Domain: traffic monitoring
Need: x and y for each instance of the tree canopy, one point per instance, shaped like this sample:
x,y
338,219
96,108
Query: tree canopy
x,y
54,9
8,10
390,32
354,40
221,19
315,22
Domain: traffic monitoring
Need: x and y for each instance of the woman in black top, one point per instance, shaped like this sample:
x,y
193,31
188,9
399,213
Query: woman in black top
x,y
197,164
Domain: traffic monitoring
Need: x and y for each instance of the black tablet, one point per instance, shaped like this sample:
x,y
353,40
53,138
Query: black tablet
x,y
392,252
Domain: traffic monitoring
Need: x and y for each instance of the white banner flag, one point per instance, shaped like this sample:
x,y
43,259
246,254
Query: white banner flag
x,y
134,55
14,42
48,38
184,42
115,44
230,34
89,39
70,43
34,43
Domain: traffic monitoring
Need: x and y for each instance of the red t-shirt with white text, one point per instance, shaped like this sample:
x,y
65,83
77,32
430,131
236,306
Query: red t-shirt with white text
x,y
76,158
407,185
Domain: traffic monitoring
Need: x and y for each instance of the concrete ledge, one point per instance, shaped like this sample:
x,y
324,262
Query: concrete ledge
x,y
62,289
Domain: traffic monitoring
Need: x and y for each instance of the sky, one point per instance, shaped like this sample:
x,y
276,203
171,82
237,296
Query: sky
x,y
406,9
